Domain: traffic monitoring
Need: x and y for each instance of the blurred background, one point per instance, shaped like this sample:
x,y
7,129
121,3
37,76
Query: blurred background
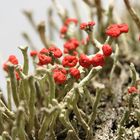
x,y
13,23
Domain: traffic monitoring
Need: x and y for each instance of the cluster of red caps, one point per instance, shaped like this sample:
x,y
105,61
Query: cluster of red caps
x,y
46,56
71,60
115,30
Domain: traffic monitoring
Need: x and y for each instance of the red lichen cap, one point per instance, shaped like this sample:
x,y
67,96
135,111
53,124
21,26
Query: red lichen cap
x,y
70,20
98,60
43,59
91,23
69,61
132,89
44,51
75,42
63,29
83,26
71,44
123,28
13,59
107,50
33,53
60,69
57,53
59,77
74,72
113,30
84,61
